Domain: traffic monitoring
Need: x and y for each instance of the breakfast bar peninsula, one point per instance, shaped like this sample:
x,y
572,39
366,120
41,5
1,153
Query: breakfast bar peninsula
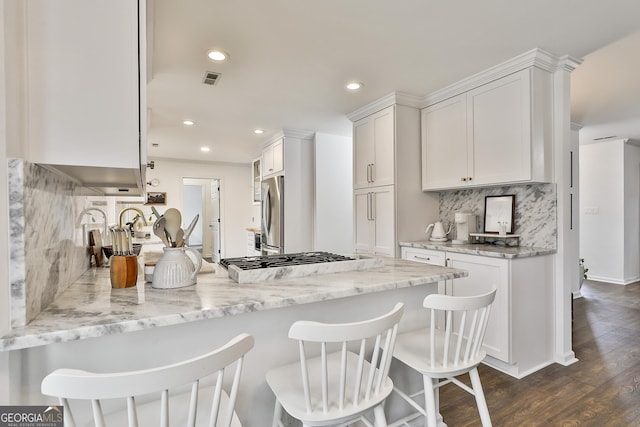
x,y
94,327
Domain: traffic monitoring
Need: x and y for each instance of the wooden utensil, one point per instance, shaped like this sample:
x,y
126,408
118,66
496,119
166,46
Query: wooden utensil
x,y
179,241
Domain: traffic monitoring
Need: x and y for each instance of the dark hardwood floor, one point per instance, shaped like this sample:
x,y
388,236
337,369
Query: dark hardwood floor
x,y
601,389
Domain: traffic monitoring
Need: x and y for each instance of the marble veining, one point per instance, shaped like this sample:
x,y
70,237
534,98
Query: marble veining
x,y
47,249
535,216
481,249
91,308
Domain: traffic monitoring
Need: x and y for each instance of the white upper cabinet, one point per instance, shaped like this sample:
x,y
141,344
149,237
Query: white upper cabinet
x,y
273,158
497,133
444,143
374,142
86,89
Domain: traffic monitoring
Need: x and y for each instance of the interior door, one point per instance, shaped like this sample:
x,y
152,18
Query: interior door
x,y
214,222
201,196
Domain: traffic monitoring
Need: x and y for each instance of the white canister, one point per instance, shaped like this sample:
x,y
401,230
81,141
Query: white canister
x,y
175,269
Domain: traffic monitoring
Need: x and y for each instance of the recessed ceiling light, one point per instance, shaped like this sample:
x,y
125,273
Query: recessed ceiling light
x,y
354,85
188,122
217,55
258,131
205,149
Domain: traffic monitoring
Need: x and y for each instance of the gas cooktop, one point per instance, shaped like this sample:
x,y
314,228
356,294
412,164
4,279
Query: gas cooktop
x,y
284,260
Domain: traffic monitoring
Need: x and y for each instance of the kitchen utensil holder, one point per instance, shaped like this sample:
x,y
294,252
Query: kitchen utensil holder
x,y
124,271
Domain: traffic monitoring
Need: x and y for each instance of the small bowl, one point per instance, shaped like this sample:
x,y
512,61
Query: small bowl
x,y
108,250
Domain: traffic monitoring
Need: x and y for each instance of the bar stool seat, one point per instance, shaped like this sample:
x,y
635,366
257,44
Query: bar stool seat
x,y
346,381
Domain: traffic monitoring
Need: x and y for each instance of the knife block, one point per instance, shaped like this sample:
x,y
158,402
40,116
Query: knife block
x,y
124,271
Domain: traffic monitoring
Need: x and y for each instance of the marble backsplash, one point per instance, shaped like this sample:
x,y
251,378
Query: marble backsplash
x,y
535,215
47,248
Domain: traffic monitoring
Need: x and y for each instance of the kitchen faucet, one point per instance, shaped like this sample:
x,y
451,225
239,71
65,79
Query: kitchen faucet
x,y
131,209
81,216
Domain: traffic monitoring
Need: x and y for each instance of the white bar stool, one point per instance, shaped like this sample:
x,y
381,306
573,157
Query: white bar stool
x,y
349,378
443,354
201,405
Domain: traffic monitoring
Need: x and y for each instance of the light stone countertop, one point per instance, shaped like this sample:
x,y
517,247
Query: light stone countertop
x,y
91,308
482,249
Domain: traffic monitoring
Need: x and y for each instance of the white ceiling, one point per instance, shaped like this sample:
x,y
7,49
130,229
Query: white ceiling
x,y
290,60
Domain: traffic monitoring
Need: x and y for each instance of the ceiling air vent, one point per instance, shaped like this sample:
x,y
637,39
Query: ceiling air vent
x,y
211,78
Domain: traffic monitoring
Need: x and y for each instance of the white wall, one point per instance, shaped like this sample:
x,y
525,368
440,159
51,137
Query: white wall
x,y
631,213
333,228
236,194
602,210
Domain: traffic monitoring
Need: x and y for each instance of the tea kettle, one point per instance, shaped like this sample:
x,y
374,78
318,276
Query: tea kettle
x,y
438,234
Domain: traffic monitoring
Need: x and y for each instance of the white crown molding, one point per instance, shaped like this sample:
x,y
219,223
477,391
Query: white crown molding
x,y
534,58
299,134
394,98
289,133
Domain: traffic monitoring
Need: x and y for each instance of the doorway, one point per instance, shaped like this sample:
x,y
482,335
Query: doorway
x,y
201,196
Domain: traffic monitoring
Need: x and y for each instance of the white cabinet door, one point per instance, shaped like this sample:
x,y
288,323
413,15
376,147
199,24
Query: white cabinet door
x,y
362,222
273,158
374,149
484,274
383,202
82,74
444,144
375,221
500,130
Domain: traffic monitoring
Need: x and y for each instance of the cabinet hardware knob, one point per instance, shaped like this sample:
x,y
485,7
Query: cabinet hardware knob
x,y
469,179
463,179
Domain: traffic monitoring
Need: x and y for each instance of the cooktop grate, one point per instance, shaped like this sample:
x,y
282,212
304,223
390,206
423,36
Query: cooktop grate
x,y
284,260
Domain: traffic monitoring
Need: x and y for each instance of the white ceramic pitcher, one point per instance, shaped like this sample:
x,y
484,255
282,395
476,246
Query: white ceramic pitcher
x,y
176,269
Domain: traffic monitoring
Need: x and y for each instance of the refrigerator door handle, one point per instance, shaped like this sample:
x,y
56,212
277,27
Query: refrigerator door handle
x,y
266,210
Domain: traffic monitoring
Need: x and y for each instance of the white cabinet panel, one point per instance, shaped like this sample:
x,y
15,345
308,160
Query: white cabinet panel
x,y
374,138
444,135
500,130
485,274
273,158
424,255
375,220
84,96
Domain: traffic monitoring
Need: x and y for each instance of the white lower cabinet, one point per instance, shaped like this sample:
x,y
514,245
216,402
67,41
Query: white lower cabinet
x,y
484,274
375,220
519,338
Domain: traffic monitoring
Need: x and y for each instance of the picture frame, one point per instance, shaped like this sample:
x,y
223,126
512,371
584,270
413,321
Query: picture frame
x,y
499,210
155,198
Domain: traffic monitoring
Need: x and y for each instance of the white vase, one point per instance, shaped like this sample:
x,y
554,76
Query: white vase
x,y
176,269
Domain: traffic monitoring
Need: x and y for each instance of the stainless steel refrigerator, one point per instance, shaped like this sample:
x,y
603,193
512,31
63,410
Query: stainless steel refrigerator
x,y
273,215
